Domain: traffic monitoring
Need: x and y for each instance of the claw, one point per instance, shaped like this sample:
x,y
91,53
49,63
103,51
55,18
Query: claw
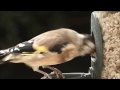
x,y
46,77
57,74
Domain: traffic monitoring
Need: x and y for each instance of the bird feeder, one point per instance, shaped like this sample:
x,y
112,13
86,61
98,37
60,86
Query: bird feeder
x,y
105,28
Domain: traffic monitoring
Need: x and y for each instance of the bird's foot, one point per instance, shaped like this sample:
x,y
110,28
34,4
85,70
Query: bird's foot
x,y
58,75
47,76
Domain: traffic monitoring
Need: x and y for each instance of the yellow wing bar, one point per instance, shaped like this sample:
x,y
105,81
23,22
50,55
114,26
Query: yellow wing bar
x,y
41,49
38,50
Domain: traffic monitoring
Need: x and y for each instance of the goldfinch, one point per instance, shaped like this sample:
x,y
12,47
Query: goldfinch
x,y
50,48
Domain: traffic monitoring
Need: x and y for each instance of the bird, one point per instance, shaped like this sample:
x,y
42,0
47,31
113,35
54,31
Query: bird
x,y
49,48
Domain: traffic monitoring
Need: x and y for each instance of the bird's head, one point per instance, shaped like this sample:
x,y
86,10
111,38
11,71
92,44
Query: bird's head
x,y
87,44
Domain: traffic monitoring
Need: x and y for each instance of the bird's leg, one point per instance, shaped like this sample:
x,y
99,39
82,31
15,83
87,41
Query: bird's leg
x,y
40,49
46,75
57,72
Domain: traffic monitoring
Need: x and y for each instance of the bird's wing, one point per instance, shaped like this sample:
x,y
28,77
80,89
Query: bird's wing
x,y
53,41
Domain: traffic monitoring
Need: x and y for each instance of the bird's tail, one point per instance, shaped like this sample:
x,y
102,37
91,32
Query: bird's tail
x,y
9,50
19,48
5,51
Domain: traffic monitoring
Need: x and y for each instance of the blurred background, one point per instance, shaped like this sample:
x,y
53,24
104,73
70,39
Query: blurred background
x,y
19,26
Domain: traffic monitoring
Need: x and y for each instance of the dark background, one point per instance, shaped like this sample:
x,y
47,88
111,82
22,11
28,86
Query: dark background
x,y
19,26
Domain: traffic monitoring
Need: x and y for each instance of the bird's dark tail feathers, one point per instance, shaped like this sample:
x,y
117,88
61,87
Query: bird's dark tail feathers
x,y
5,51
9,50
19,48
